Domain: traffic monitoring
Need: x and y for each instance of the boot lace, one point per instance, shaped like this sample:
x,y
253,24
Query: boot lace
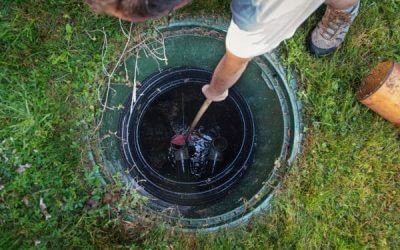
x,y
332,21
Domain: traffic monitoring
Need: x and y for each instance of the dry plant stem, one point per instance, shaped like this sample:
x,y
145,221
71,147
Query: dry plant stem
x,y
104,51
110,75
122,28
133,99
158,56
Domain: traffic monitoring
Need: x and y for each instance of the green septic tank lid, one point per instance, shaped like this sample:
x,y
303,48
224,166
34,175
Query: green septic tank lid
x,y
268,91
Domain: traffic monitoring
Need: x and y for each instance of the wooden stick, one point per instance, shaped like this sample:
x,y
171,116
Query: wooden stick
x,y
200,114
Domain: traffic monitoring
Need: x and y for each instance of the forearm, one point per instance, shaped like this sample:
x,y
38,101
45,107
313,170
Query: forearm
x,y
228,72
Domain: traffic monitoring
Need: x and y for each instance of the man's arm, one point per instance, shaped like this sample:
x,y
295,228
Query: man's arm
x,y
227,73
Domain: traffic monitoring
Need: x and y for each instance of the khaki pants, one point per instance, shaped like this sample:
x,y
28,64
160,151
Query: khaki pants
x,y
284,17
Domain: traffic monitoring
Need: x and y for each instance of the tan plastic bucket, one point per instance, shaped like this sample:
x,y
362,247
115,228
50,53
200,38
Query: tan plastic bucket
x,y
380,91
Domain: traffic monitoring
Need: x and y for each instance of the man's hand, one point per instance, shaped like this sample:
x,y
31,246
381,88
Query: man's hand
x,y
213,94
228,71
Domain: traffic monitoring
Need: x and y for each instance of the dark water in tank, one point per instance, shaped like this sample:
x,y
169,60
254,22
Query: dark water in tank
x,y
172,113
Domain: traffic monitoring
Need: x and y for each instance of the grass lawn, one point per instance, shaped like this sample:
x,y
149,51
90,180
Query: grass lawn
x,y
344,192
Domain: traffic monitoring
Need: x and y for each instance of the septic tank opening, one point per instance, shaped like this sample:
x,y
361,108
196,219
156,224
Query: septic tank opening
x,y
216,155
170,114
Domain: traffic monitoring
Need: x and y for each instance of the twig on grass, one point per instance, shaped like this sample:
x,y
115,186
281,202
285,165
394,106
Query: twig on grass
x,y
43,209
110,75
133,99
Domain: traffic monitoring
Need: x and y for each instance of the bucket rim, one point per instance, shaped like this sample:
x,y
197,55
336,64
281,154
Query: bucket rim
x,y
361,96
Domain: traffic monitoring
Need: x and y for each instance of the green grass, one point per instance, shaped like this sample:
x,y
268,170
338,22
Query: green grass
x,y
343,193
